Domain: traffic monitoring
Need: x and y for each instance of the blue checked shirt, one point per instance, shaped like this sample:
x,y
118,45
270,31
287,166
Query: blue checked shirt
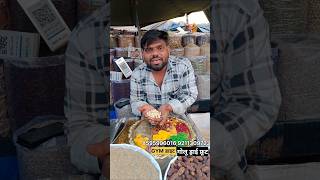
x,y
178,88
87,59
244,90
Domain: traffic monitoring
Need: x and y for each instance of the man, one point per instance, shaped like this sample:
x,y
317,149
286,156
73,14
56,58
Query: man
x,y
163,82
245,94
86,93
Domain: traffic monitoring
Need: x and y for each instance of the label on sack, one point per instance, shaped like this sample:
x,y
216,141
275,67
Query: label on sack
x,y
47,21
124,67
19,44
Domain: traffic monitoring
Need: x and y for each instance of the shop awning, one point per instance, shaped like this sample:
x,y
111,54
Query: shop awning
x,y
145,12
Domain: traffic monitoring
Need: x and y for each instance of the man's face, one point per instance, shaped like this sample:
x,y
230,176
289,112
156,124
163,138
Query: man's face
x,y
156,55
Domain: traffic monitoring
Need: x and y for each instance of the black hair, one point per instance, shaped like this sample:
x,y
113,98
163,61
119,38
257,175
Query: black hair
x,y
153,35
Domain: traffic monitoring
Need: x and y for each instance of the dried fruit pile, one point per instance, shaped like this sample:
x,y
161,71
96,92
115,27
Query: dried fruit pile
x,y
179,137
193,167
141,140
172,130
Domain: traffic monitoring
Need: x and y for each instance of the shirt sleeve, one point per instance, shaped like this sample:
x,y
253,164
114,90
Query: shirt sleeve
x,y
249,96
137,94
188,92
85,100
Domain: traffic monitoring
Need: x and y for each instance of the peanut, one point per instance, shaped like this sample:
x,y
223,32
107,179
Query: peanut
x,y
199,158
181,171
154,114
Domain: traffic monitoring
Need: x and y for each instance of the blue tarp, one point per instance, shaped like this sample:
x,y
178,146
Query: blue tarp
x,y
9,168
172,26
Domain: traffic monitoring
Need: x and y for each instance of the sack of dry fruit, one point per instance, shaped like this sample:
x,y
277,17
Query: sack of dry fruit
x,y
35,87
175,41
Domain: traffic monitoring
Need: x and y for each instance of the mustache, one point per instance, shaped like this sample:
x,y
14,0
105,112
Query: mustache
x,y
156,58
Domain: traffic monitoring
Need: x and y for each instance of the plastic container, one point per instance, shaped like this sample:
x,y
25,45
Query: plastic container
x,y
115,76
203,84
120,89
123,108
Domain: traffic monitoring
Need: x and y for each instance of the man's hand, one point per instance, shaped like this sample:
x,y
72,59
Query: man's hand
x,y
145,111
165,110
225,155
145,108
102,152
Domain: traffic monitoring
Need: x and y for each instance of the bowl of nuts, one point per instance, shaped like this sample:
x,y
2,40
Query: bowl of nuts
x,y
174,132
188,167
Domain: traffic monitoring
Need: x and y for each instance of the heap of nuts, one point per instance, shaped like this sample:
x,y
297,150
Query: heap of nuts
x,y
153,114
193,167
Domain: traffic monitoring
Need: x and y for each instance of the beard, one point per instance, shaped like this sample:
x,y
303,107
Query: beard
x,y
157,67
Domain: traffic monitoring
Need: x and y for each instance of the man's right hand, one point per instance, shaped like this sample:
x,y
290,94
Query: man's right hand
x,y
144,111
